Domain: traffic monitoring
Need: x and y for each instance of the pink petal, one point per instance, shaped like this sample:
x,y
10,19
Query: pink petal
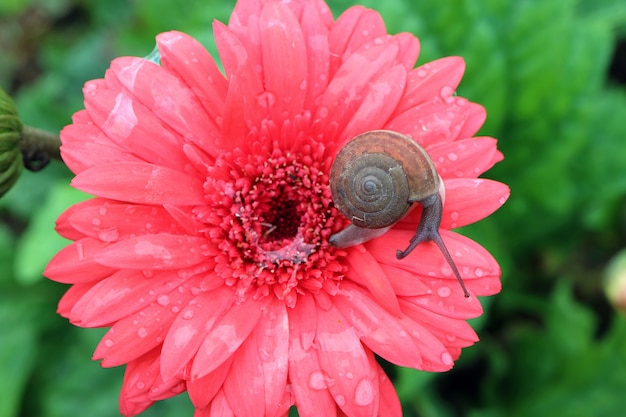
x,y
190,61
258,376
380,331
366,271
127,123
63,225
71,297
352,382
167,97
354,28
450,331
309,383
389,402
409,49
220,407
141,183
203,390
188,330
85,145
426,261
315,34
428,81
121,294
284,61
379,102
114,222
225,337
352,82
404,282
466,158
467,201
160,251
433,122
144,330
475,118
76,264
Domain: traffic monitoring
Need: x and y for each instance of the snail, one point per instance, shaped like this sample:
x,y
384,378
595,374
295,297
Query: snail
x,y
375,179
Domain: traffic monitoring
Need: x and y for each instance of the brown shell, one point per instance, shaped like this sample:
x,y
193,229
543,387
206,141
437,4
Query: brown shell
x,y
378,175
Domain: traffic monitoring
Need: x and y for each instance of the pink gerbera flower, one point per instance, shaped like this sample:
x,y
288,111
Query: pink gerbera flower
x,y
206,249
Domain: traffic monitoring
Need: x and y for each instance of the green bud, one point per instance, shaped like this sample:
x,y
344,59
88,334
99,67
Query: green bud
x,y
10,153
615,281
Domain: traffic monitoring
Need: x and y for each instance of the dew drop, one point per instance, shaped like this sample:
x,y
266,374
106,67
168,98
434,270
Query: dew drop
x,y
109,235
175,309
452,156
454,215
443,292
349,375
96,221
479,272
142,332
303,85
446,358
188,315
323,112
108,342
140,385
163,300
102,211
450,337
340,400
446,91
364,393
317,380
502,200
422,73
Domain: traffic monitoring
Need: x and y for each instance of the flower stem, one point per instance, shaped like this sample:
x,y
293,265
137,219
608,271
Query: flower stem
x,y
38,147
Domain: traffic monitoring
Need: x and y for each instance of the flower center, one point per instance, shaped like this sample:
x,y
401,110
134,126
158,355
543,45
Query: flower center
x,y
274,218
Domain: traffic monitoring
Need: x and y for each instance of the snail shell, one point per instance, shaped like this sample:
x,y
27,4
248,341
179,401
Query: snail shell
x,y
375,179
378,175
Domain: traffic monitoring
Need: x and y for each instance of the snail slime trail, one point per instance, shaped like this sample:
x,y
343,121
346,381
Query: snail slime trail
x,y
375,179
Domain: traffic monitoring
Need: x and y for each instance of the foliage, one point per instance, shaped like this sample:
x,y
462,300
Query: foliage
x,y
550,343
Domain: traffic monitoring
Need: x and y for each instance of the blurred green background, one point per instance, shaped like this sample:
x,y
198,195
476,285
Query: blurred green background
x,y
552,75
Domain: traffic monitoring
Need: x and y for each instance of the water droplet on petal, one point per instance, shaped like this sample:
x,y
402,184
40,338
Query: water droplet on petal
x,y
454,215
422,73
140,385
108,342
340,400
102,211
303,85
446,91
479,272
188,315
364,393
323,111
452,156
450,337
142,332
109,235
446,358
317,380
163,300
443,292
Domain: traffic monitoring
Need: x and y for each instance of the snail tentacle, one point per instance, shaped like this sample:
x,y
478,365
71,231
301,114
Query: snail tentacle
x,y
428,230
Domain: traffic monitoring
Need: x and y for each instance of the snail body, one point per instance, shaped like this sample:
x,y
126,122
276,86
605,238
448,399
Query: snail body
x,y
375,180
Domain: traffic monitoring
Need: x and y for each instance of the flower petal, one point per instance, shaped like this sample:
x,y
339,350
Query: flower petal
x,y
119,295
111,222
139,333
167,97
190,61
467,201
75,263
258,377
465,158
160,251
344,360
366,271
430,80
188,330
472,260
225,337
380,331
203,390
284,61
140,183
309,383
